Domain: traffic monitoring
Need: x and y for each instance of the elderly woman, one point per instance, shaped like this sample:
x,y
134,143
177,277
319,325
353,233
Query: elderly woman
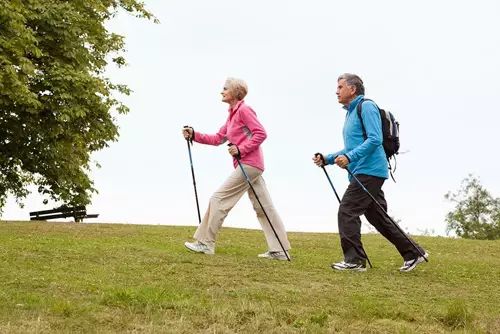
x,y
244,131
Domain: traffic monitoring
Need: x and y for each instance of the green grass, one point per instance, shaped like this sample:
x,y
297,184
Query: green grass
x,y
105,278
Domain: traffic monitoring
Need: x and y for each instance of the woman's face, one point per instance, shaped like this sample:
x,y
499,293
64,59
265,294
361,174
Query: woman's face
x,y
227,95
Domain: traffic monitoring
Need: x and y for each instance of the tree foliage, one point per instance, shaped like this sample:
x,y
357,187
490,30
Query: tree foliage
x,y
476,214
56,105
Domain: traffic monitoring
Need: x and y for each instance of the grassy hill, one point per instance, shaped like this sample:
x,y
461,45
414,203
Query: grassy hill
x,y
67,277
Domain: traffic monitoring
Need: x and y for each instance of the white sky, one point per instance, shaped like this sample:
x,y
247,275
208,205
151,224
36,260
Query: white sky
x,y
434,64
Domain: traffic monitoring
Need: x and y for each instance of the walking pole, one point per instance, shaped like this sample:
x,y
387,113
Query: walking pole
x,y
361,250
258,200
190,141
392,221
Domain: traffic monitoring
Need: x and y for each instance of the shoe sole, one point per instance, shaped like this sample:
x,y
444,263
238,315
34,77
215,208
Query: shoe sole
x,y
346,269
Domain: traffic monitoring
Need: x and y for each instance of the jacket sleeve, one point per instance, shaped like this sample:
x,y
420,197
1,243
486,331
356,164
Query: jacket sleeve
x,y
257,132
373,127
215,139
330,158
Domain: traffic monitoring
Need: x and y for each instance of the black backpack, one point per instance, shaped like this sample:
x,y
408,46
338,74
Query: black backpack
x,y
390,133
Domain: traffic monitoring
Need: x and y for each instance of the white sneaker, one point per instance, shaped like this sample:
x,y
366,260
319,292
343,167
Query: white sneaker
x,y
411,264
274,255
345,266
199,247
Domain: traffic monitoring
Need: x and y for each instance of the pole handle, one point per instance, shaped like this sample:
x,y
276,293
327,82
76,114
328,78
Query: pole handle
x,y
190,139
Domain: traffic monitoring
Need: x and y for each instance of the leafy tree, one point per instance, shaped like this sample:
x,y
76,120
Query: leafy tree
x,y
476,214
56,105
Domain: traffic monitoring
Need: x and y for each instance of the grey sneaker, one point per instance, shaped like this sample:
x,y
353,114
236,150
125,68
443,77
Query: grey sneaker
x,y
411,264
345,266
274,256
200,247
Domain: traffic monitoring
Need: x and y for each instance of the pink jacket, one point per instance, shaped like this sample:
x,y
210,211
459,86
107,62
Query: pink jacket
x,y
243,129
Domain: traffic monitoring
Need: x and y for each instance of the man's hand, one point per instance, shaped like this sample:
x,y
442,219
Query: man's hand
x,y
187,132
233,150
319,160
342,161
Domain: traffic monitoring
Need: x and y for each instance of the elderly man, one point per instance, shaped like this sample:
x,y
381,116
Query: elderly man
x,y
364,156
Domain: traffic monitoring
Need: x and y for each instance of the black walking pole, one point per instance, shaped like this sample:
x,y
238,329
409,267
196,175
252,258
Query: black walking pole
x,y
361,250
392,221
190,141
258,200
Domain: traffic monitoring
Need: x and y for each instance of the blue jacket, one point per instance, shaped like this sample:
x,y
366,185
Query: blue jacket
x,y
365,156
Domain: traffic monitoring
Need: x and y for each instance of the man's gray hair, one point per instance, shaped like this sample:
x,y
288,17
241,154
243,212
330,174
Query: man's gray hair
x,y
353,80
238,86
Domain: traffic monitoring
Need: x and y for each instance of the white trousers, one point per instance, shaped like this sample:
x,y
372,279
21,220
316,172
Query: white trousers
x,y
226,197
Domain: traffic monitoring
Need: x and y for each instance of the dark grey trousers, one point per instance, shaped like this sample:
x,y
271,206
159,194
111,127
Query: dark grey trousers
x,y
357,202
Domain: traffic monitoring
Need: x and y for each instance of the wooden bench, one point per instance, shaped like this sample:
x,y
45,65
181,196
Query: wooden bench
x,y
77,212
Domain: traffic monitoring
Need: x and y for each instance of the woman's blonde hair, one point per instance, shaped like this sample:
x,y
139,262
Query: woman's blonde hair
x,y
238,87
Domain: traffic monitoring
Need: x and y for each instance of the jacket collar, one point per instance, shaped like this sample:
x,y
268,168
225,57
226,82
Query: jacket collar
x,y
354,103
236,107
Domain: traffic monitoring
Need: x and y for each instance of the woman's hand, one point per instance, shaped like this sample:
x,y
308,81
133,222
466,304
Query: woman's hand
x,y
187,132
233,150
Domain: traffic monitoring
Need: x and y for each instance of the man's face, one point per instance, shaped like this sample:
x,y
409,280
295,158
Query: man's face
x,y
345,93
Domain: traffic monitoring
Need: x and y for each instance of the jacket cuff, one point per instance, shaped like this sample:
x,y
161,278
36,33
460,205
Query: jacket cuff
x,y
329,158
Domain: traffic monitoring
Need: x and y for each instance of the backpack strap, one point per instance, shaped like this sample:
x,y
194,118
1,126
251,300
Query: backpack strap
x,y
358,109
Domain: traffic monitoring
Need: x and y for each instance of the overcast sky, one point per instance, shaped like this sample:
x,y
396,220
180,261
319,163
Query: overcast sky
x,y
434,64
